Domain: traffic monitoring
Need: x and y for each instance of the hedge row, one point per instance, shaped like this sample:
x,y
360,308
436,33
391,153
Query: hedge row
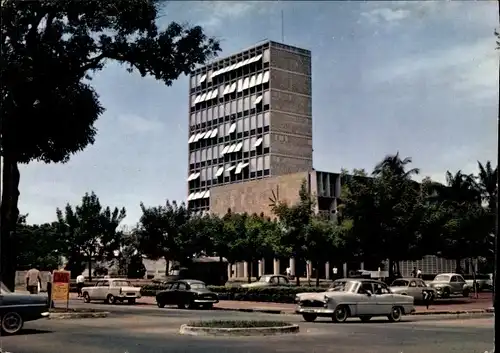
x,y
269,294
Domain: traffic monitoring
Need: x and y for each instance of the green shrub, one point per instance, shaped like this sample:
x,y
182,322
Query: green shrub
x,y
266,294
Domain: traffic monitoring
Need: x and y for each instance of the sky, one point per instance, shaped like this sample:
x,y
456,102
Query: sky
x,y
420,78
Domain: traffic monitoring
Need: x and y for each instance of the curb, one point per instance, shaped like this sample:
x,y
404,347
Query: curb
x,y
422,313
87,315
250,331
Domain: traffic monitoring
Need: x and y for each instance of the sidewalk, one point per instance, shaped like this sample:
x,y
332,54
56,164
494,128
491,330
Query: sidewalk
x,y
452,306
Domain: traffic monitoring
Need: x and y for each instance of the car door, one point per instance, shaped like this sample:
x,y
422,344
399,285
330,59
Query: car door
x,y
413,290
274,281
181,294
166,294
454,284
99,290
366,302
383,298
421,287
460,284
283,281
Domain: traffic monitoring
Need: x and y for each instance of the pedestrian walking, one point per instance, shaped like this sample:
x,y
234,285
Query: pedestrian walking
x,y
419,273
414,272
288,272
33,280
80,282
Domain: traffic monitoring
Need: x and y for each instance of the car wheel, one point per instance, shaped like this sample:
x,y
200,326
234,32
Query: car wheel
x,y
208,306
309,317
131,301
160,304
110,299
396,314
466,293
12,323
365,318
86,297
185,306
341,313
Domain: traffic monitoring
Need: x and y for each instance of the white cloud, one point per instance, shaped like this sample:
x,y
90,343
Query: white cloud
x,y
216,13
137,124
467,68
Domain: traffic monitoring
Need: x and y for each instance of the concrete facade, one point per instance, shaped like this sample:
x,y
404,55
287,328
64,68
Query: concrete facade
x,y
250,118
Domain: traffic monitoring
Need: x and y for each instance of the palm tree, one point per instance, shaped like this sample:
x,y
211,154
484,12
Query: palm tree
x,y
487,182
394,165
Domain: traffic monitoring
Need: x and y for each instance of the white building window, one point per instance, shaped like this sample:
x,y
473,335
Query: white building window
x,y
260,163
240,105
246,124
253,122
246,103
246,83
246,145
266,98
267,141
266,119
253,164
267,162
265,79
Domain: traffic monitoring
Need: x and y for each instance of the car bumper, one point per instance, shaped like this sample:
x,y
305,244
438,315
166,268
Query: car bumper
x,y
45,314
125,297
316,311
206,301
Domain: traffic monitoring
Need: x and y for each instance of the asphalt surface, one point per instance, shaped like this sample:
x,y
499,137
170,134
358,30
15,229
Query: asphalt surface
x,y
144,329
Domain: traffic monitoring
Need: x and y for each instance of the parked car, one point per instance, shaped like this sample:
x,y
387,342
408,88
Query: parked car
x,y
448,284
187,294
16,309
362,298
483,281
268,281
112,290
414,287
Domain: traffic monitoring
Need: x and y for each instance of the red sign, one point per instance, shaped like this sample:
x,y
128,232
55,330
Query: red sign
x,y
61,277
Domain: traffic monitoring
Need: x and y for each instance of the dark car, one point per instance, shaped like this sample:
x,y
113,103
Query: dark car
x,y
16,309
187,294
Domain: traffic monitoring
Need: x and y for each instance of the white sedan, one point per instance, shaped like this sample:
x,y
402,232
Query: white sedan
x,y
362,298
112,290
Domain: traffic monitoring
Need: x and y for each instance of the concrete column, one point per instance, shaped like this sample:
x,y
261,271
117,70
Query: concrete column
x,y
362,266
308,269
229,271
245,269
327,270
344,268
262,267
239,270
276,266
292,266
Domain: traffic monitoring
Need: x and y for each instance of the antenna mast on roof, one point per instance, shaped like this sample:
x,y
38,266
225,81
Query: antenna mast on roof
x,y
282,26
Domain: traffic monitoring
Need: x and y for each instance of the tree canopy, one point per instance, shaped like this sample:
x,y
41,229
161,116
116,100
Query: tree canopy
x,y
50,51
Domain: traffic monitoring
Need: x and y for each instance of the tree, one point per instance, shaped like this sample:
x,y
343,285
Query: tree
x,y
130,262
324,242
487,183
251,237
160,232
465,222
89,230
385,213
293,221
50,51
40,244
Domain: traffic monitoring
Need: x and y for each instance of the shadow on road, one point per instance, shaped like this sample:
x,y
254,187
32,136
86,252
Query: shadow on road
x,y
29,331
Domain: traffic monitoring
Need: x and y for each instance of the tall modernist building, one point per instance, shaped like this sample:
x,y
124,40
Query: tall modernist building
x,y
250,119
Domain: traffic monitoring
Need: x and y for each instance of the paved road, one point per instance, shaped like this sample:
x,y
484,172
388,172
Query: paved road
x,y
143,329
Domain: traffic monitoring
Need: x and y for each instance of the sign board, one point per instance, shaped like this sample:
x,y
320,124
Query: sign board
x,y
60,285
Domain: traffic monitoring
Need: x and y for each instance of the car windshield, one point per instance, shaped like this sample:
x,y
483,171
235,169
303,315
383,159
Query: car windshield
x,y
197,285
442,278
122,284
399,283
264,278
342,286
4,289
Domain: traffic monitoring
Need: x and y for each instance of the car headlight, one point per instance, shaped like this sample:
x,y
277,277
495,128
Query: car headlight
x,y
297,299
326,299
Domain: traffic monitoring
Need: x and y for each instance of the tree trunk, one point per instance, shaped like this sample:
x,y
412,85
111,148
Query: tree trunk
x,y
8,219
89,261
391,269
317,273
458,268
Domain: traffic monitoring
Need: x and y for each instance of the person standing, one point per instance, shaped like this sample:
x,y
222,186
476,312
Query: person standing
x,y
419,273
80,282
414,272
33,280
